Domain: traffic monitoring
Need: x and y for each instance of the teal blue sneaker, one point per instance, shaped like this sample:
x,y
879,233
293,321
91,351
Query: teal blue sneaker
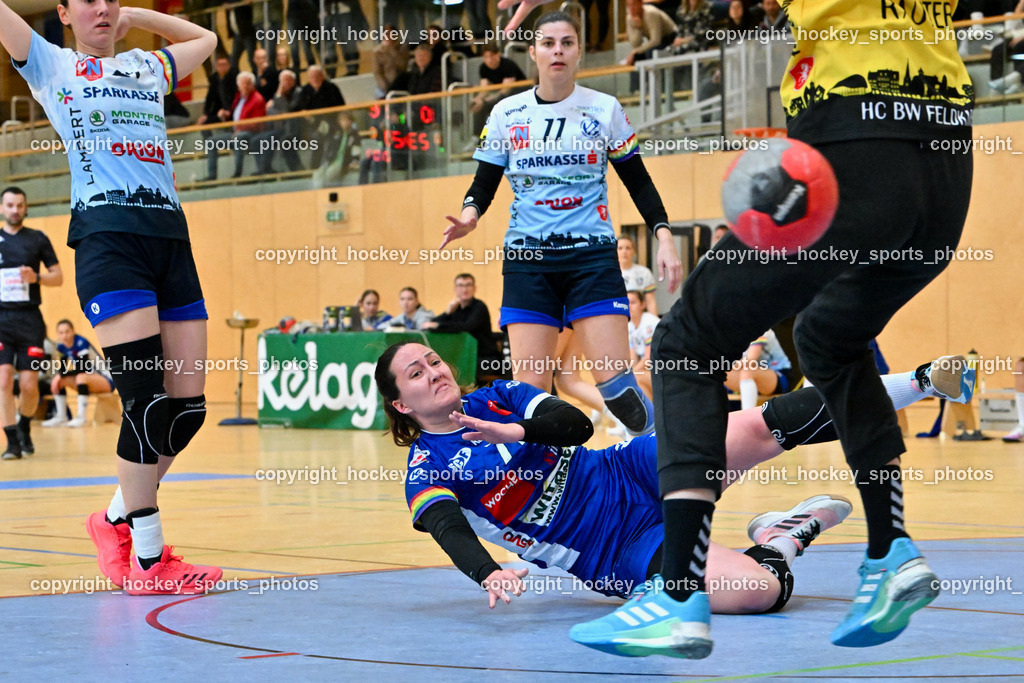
x,y
891,590
651,623
949,377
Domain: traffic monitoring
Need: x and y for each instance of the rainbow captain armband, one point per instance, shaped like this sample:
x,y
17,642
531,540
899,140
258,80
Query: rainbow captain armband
x,y
170,71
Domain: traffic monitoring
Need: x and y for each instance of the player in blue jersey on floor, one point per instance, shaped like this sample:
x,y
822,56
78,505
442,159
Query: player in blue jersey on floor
x,y
136,279
505,463
554,143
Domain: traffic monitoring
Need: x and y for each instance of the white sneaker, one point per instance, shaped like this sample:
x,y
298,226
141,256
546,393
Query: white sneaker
x,y
77,422
1016,436
802,523
56,421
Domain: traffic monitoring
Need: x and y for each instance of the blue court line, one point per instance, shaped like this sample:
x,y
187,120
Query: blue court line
x,y
49,552
108,481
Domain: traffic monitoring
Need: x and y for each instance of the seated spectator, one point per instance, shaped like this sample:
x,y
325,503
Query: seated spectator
x,y
369,310
466,313
248,104
175,114
342,152
319,93
641,331
390,59
84,369
494,69
221,92
741,22
765,369
413,314
423,76
266,75
694,21
648,29
280,134
282,60
774,18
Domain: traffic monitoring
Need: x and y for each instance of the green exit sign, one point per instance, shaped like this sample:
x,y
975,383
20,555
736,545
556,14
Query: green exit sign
x,y
337,216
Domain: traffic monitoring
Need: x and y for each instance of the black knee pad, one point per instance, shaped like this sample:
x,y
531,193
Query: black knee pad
x,y
186,417
82,389
798,418
773,560
137,370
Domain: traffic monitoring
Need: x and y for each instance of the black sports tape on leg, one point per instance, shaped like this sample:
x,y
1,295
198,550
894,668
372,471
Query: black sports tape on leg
x,y
798,418
772,559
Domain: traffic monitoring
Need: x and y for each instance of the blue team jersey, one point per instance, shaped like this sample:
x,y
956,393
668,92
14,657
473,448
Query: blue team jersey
x,y
110,114
84,356
564,507
556,158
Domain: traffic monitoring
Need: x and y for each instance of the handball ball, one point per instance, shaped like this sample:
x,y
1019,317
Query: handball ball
x,y
782,194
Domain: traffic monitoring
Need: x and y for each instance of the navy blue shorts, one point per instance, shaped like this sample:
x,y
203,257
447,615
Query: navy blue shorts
x,y
117,272
551,298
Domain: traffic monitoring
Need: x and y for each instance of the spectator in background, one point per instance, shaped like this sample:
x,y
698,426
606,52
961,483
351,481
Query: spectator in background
x,y
603,23
741,22
637,278
344,18
774,18
319,93
479,18
248,104
175,114
694,20
282,59
342,152
271,22
84,369
437,46
286,133
718,233
243,34
390,60
413,314
641,330
369,310
302,15
423,76
466,313
266,75
494,69
409,12
221,91
648,29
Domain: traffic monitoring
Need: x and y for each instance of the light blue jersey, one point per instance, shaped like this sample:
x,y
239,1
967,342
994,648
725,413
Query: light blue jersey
x,y
556,158
110,114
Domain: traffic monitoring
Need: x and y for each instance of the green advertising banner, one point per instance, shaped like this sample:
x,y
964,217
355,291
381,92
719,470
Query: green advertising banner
x,y
325,381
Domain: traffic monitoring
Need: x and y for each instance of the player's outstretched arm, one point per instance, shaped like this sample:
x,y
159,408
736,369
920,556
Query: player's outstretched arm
x,y
190,46
554,423
500,583
15,33
525,7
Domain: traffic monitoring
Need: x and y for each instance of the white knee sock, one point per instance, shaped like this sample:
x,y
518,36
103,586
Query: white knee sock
x,y
902,389
83,403
60,406
748,394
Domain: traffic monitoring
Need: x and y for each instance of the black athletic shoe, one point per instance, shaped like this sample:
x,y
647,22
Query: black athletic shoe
x,y
25,439
12,453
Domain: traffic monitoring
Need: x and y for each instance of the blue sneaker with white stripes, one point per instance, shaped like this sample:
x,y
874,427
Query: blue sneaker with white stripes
x,y
891,590
949,377
652,623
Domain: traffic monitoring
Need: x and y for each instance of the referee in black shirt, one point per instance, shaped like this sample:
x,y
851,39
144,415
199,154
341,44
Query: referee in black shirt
x,y
22,330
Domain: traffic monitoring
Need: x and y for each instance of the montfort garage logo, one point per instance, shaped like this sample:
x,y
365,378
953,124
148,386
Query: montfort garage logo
x,y
143,151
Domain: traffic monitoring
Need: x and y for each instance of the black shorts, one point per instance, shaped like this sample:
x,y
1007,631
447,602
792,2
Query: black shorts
x,y
117,272
22,333
560,297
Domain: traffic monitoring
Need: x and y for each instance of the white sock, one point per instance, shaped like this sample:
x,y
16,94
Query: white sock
x,y
83,403
147,536
60,403
748,394
116,509
902,389
1020,408
787,546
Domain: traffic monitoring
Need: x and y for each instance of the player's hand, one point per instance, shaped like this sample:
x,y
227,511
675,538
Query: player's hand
x,y
669,263
525,7
458,229
28,275
500,583
124,22
491,432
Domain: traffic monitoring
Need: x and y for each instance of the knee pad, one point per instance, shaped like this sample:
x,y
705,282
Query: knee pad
x,y
186,417
798,418
772,560
628,402
82,389
137,370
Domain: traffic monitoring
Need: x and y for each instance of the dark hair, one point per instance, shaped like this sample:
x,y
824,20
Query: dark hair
x,y
368,293
13,190
404,429
465,276
65,321
627,238
554,18
410,289
492,48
